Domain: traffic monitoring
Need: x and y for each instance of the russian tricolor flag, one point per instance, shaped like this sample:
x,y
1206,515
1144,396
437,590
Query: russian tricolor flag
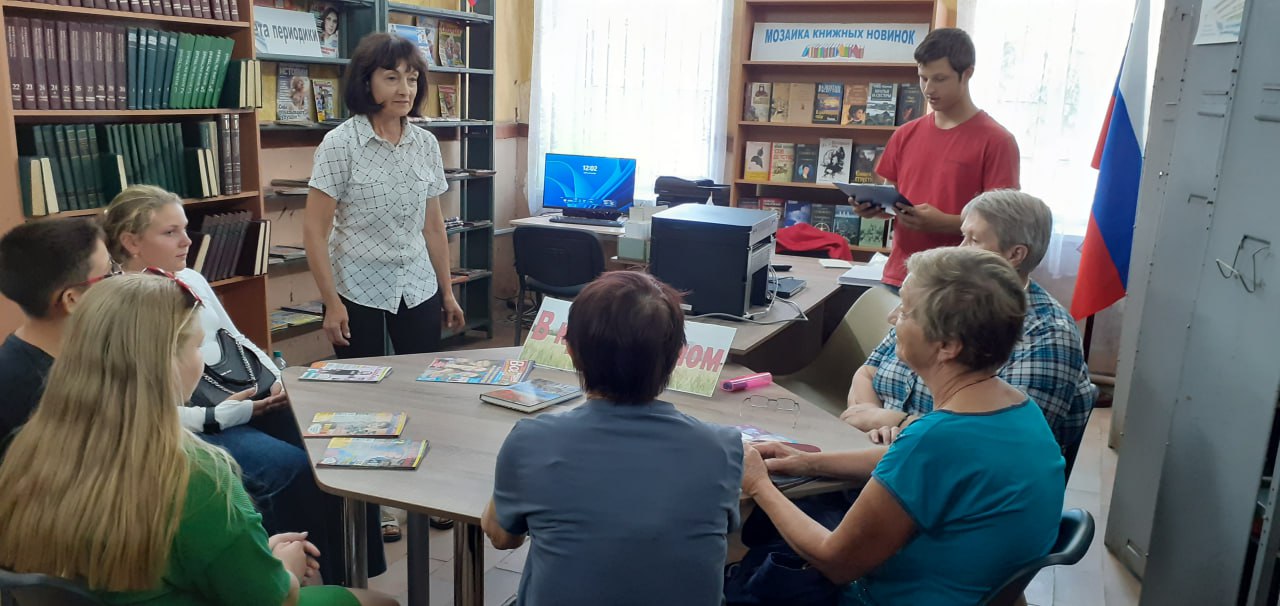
x,y
1104,262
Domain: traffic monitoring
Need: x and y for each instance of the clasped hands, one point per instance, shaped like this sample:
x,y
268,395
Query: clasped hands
x,y
759,459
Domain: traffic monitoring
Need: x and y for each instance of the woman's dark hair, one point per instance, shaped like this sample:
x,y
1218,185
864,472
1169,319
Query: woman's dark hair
x,y
386,51
950,43
42,258
625,334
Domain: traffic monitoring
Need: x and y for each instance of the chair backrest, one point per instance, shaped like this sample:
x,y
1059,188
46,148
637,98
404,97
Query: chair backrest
x,y
42,590
863,328
556,261
1075,534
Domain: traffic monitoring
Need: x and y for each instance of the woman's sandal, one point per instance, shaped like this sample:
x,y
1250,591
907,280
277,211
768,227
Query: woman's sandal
x,y
390,528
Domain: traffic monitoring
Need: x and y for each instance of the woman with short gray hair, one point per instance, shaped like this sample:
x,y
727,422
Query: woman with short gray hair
x,y
964,496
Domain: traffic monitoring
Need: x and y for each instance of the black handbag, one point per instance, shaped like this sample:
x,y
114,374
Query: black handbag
x,y
236,371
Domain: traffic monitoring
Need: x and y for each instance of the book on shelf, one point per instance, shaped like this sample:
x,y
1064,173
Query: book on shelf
x,y
87,163
780,103
823,216
910,103
293,93
756,106
827,103
834,157
287,252
237,245
783,161
847,223
430,26
356,424
448,101
415,34
865,158
476,372
314,307
757,161
871,232
282,182
532,396
339,372
35,181
854,110
806,163
773,204
468,273
450,43
795,213
325,92
749,203
373,453
284,318
882,103
329,24
800,107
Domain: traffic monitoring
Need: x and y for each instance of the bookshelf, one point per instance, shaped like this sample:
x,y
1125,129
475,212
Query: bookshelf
x,y
471,247
743,71
243,296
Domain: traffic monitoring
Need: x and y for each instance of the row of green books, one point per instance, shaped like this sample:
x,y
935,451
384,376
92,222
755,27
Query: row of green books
x,y
171,70
84,166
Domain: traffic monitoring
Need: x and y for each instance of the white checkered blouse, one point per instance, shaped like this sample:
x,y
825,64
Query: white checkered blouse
x,y
378,252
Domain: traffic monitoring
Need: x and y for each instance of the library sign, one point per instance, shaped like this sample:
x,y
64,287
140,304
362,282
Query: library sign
x,y
281,32
837,43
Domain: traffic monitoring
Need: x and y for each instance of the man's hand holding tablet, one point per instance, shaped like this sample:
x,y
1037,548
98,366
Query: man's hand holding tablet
x,y
875,201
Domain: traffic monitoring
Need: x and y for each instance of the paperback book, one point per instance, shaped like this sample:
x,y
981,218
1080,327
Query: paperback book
x,y
834,158
450,44
476,372
800,110
756,106
427,44
532,396
796,213
806,163
347,424
774,204
855,103
780,102
758,160
847,223
910,103
375,453
417,35
822,216
882,104
448,101
326,99
293,93
345,373
784,157
827,104
864,163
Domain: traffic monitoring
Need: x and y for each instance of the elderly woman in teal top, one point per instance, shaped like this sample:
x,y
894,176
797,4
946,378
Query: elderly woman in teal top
x,y
965,495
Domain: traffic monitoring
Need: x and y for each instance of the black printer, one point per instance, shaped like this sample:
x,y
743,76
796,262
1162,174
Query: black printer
x,y
674,191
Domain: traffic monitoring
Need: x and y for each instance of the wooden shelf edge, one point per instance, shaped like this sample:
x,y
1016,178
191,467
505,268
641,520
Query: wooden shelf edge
x,y
185,202
123,15
848,127
236,280
870,249
830,64
786,184
425,11
302,59
124,113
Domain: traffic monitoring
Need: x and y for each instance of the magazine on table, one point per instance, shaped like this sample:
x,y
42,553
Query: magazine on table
x,y
373,453
364,424
345,373
476,372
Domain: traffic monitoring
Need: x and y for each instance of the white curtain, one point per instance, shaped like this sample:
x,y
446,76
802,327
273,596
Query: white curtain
x,y
1046,70
643,79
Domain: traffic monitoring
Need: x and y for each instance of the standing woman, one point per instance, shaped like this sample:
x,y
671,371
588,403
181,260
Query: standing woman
x,y
375,235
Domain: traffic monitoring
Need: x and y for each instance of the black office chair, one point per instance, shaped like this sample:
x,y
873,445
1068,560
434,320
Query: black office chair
x,y
555,262
42,590
1075,534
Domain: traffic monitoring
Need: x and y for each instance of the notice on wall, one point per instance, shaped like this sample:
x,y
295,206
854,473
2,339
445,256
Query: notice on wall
x,y
837,43
282,32
1220,22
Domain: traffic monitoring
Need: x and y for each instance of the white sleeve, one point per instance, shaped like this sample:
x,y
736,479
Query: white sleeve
x,y
216,317
228,414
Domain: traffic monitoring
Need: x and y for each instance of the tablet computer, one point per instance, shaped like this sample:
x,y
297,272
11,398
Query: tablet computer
x,y
886,196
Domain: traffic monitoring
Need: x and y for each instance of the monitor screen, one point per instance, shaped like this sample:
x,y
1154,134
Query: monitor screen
x,y
589,182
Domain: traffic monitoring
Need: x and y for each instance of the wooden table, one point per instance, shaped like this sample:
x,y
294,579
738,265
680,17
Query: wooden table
x,y
455,480
545,221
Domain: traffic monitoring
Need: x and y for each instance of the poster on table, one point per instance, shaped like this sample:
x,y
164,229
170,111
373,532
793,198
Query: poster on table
x,y
697,370
837,42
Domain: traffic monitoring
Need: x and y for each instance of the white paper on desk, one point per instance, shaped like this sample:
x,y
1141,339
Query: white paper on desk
x,y
865,275
835,263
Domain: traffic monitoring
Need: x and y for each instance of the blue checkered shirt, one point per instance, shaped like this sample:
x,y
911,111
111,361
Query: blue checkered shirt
x,y
1047,363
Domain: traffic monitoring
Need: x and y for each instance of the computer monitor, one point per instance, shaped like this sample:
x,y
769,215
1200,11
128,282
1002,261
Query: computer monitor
x,y
588,183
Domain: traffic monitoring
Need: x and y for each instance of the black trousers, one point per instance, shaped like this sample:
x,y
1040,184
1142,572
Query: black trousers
x,y
412,329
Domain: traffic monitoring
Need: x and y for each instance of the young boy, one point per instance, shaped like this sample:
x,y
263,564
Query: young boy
x,y
45,267
944,159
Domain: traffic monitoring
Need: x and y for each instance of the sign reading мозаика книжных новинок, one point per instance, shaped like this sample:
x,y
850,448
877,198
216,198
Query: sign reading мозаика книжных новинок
x,y
837,42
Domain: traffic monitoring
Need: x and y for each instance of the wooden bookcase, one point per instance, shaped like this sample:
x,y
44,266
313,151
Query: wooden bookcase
x,y
742,70
243,297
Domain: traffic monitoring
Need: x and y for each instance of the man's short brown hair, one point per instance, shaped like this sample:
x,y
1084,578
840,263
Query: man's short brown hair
x,y
950,43
385,51
625,334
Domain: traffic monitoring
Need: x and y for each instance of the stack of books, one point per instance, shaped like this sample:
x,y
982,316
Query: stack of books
x,y
228,244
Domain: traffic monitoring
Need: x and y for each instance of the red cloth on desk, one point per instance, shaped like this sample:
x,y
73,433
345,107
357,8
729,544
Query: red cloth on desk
x,y
802,238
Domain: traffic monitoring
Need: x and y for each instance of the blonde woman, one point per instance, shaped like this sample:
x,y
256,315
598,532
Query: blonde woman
x,y
146,226
140,510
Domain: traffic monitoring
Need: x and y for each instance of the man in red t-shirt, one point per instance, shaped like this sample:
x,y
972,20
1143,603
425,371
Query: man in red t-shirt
x,y
943,159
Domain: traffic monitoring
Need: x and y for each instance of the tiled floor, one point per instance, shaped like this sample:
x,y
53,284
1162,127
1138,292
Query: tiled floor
x,y
1097,580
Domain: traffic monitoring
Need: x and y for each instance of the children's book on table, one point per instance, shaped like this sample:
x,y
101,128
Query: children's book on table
x,y
345,373
374,453
348,424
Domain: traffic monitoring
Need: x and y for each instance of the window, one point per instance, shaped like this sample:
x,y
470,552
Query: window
x,y
631,79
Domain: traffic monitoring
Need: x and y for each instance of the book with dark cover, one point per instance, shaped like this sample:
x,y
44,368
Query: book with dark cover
x,y
218,75
823,216
52,64
86,66
15,62
826,103
854,110
87,139
76,67
71,174
251,253
774,204
882,104
806,163
26,63
864,164
133,67
532,395
170,40
118,33
797,212
99,67
109,63
235,10
148,46
847,223
224,151
751,203
910,103
236,186
40,64
65,73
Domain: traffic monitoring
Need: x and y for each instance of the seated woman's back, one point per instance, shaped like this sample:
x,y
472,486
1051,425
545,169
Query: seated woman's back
x,y
985,492
623,501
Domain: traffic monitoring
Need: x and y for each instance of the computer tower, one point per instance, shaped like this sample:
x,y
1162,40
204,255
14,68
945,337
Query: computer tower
x,y
717,255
